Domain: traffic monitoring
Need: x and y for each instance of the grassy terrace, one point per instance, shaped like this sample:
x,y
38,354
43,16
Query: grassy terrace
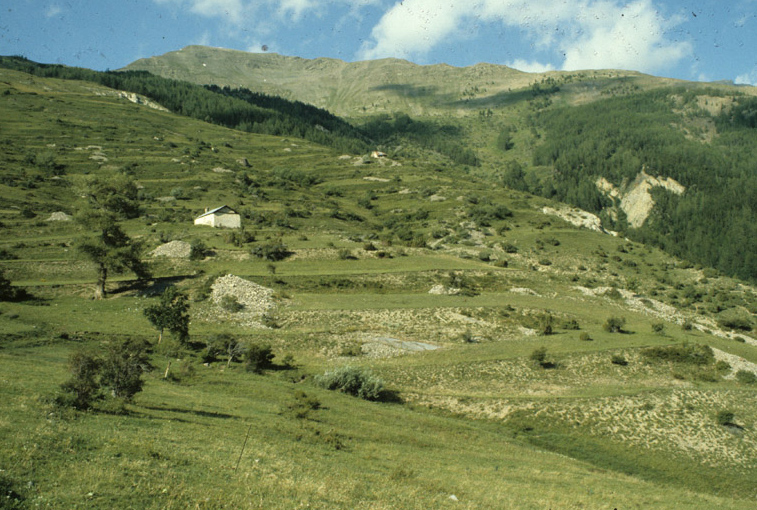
x,y
600,422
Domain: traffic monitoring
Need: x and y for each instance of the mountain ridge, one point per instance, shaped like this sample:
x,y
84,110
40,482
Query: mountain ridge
x,y
344,81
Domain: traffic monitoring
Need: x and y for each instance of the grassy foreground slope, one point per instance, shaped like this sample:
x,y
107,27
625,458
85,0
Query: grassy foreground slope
x,y
598,423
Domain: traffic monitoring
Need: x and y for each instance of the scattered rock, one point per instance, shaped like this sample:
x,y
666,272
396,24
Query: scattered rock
x,y
255,298
59,216
737,363
174,250
221,170
442,290
243,162
576,217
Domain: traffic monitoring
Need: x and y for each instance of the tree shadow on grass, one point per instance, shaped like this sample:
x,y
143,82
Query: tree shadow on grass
x,y
203,414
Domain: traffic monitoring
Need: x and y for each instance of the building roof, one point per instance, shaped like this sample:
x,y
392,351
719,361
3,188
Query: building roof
x,y
225,209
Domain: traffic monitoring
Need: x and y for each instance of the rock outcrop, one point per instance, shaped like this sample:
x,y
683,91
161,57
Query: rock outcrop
x,y
635,199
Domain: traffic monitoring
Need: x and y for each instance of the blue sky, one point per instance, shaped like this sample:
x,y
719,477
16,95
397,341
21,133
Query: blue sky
x,y
703,40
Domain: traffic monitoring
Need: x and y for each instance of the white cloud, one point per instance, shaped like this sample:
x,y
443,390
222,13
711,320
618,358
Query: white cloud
x,y
749,78
52,11
631,37
413,28
580,33
204,39
530,67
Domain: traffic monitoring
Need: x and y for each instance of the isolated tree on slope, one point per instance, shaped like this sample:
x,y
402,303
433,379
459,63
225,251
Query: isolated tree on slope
x,y
105,201
172,313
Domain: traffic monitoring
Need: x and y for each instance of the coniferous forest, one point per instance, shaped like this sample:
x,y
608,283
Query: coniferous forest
x,y
713,222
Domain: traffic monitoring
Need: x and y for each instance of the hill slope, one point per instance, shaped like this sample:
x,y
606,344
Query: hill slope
x,y
557,134
443,284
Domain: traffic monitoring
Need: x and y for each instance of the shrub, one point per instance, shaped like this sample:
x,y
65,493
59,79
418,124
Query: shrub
x,y
539,356
239,238
468,337
8,292
198,250
585,337
345,254
83,387
355,381
273,252
545,324
123,366
230,303
259,357
725,417
571,325
693,354
746,377
619,359
658,328
303,405
734,321
614,324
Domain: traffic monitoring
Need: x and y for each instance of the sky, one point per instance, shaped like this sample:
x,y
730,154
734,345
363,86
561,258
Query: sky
x,y
701,40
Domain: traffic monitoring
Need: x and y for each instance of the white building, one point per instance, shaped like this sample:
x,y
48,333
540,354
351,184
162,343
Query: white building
x,y
223,216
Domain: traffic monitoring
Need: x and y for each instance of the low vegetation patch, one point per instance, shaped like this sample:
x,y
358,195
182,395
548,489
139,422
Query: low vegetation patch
x,y
359,382
686,353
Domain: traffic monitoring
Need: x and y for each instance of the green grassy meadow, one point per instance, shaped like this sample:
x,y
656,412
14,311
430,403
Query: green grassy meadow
x,y
475,422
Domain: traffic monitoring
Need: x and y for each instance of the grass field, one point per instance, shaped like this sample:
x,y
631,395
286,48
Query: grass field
x,y
475,421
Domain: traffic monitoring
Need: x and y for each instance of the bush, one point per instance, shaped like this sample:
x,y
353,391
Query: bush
x,y
83,387
303,405
658,328
614,324
230,303
737,322
120,370
585,337
345,254
123,366
725,417
692,354
198,250
273,252
746,377
539,356
239,238
259,357
619,359
355,381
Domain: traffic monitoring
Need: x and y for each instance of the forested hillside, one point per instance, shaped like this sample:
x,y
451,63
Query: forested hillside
x,y
671,133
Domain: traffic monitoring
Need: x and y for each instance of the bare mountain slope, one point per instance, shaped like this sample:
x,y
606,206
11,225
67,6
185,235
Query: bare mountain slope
x,y
367,87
